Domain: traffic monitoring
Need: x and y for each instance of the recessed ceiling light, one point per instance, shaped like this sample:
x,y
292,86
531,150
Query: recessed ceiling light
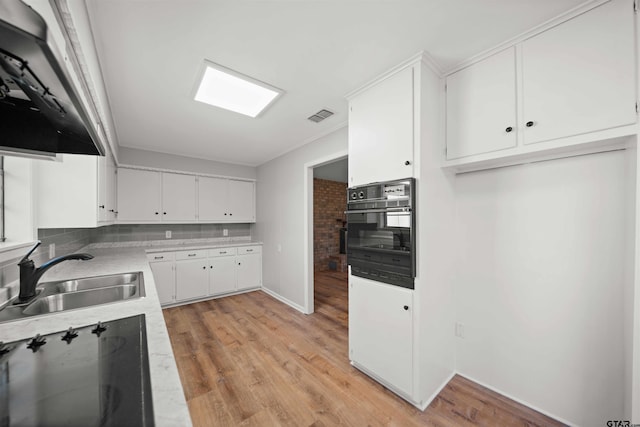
x,y
228,89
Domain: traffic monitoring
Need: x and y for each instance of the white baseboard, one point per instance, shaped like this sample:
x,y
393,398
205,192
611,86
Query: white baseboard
x,y
208,297
424,406
522,402
284,300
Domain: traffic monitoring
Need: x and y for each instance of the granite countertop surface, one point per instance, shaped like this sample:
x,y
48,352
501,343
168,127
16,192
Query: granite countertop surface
x,y
169,405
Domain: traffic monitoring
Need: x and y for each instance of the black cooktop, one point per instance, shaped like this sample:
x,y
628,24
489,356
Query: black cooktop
x,y
97,375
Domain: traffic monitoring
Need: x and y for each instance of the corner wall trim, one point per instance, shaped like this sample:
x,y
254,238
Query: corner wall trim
x,y
515,399
284,300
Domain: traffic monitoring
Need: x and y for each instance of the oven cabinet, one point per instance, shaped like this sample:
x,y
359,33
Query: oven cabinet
x,y
538,95
163,267
381,333
381,130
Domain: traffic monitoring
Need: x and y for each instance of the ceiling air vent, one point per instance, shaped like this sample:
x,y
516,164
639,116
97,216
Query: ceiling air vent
x,y
320,116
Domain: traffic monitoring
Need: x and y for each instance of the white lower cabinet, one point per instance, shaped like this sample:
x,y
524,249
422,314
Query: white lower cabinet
x,y
381,332
164,274
192,275
222,278
188,275
249,267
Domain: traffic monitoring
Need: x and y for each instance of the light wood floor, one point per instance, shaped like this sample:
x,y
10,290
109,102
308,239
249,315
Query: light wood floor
x,y
250,360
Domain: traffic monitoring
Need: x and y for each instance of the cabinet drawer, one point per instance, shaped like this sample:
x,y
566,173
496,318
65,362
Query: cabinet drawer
x,y
249,250
191,254
222,252
161,256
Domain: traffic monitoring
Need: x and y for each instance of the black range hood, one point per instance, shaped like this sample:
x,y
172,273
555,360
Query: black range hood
x,y
40,112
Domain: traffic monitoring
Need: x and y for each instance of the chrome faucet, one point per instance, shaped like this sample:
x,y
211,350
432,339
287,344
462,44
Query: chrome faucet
x,y
29,274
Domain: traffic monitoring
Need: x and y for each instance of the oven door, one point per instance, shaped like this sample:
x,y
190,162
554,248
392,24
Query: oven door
x,y
380,245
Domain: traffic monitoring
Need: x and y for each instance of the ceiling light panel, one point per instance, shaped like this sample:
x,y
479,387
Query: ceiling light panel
x,y
228,89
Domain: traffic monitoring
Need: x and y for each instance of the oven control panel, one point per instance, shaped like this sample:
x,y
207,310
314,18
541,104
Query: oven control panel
x,y
381,191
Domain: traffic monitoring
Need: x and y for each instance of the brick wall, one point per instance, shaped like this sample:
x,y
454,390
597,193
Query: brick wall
x,y
329,204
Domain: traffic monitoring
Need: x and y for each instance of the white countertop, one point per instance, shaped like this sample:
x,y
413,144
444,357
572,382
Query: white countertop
x,y
169,405
156,246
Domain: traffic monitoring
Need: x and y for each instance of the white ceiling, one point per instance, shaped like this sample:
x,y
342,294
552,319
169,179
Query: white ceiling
x,y
151,51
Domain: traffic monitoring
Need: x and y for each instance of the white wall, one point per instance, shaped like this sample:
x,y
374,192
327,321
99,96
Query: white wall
x,y
542,276
281,215
153,159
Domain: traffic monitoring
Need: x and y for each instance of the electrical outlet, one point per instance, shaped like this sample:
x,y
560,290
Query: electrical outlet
x,y
167,234
52,250
460,330
225,232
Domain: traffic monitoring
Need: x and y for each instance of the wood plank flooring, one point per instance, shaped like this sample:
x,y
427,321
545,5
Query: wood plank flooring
x,y
250,360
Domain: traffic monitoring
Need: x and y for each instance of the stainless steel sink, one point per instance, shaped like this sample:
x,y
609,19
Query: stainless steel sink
x,y
81,299
98,282
78,293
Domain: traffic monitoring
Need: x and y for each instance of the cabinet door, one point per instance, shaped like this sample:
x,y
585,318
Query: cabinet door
x,y
212,199
103,190
192,279
112,185
381,121
481,107
249,271
579,77
138,195
222,277
164,276
178,197
242,201
381,331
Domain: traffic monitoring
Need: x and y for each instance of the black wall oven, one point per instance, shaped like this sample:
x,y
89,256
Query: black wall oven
x,y
381,227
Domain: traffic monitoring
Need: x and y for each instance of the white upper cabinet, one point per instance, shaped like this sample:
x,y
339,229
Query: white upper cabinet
x,y
149,196
212,194
139,195
226,200
241,201
579,76
481,107
178,197
74,192
381,130
555,91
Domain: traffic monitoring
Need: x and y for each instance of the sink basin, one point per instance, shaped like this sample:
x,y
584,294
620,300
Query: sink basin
x,y
93,282
81,299
78,293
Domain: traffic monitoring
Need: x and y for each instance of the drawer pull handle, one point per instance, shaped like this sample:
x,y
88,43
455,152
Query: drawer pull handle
x,y
158,257
249,250
191,255
223,252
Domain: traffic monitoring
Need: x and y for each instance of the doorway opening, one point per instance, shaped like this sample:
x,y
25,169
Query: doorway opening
x,y
330,284
325,184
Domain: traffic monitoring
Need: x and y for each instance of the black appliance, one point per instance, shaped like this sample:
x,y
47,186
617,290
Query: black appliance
x,y
381,225
40,112
97,375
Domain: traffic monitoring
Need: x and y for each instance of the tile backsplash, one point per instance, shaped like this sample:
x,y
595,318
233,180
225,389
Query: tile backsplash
x,y
69,240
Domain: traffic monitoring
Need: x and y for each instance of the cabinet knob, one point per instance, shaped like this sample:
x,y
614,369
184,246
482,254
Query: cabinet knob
x,y
112,210
406,307
211,266
101,206
225,214
407,163
230,214
164,213
509,129
156,213
238,263
529,124
204,268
